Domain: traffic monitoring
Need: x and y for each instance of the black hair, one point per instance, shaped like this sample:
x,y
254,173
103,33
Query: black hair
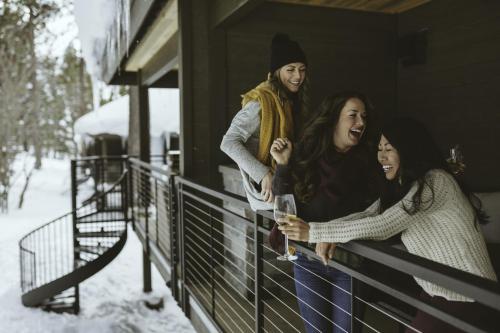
x,y
418,154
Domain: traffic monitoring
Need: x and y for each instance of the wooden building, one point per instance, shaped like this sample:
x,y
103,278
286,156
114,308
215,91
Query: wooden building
x,y
435,60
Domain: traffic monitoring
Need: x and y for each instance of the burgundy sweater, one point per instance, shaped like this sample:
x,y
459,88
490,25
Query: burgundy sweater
x,y
347,184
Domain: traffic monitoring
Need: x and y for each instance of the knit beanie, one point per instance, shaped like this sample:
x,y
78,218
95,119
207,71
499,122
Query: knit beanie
x,y
285,51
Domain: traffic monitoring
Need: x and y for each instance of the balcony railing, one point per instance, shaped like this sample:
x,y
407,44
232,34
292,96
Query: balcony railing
x,y
215,249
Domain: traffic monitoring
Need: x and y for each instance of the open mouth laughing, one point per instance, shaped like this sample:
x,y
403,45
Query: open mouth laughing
x,y
356,133
387,168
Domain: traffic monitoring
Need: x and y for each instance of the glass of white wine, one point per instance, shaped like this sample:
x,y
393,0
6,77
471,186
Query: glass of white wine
x,y
284,205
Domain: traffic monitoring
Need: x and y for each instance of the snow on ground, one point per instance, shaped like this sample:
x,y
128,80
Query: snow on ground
x,y
111,301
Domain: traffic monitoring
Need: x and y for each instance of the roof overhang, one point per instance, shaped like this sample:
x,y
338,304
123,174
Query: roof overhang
x,y
382,6
151,49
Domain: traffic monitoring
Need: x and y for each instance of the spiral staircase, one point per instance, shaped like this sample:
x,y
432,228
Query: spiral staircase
x,y
59,255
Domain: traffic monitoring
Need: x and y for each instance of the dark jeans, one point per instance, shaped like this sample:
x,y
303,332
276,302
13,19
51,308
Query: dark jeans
x,y
318,286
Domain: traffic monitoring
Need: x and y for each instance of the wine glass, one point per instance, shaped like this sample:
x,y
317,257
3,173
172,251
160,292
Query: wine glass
x,y
456,161
284,205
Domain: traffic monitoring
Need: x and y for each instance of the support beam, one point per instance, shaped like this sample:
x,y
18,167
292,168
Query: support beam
x,y
185,52
144,140
165,61
146,272
202,83
224,12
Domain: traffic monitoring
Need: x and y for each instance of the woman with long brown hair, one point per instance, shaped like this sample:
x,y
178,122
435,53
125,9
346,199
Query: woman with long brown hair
x,y
330,175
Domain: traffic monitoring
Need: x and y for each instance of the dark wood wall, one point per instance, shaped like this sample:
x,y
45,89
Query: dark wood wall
x,y
457,91
345,50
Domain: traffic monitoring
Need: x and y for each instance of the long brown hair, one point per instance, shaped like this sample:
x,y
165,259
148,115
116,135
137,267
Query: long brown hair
x,y
317,141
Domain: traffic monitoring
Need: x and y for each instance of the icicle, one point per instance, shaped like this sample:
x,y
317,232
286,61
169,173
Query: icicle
x,y
127,24
118,6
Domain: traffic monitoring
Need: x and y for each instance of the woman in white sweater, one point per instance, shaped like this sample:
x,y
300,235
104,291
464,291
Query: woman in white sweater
x,y
423,201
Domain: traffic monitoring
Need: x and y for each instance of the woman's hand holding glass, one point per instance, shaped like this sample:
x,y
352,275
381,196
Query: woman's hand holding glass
x,y
281,150
294,227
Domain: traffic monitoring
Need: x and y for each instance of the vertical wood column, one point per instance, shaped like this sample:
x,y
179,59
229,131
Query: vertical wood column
x,y
144,137
185,86
139,130
202,84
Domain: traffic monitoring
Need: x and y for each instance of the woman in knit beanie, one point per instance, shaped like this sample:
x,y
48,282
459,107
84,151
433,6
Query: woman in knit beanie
x,y
275,108
437,218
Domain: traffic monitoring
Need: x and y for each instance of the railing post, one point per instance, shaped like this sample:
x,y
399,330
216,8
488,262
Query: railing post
x,y
130,179
146,262
184,291
173,237
212,281
124,188
157,238
355,309
258,251
76,254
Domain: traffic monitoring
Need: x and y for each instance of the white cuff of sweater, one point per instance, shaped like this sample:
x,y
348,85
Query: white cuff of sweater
x,y
315,232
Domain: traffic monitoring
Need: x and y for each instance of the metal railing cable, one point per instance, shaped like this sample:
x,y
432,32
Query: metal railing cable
x,y
225,262
209,224
222,267
385,313
228,249
152,204
310,272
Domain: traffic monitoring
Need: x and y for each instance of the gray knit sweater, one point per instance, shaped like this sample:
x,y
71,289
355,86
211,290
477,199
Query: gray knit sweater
x,y
445,232
241,143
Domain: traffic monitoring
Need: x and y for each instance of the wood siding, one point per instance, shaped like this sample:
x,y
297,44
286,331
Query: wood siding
x,y
345,49
457,92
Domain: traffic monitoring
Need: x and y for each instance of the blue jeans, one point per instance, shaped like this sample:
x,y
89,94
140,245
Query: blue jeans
x,y
318,286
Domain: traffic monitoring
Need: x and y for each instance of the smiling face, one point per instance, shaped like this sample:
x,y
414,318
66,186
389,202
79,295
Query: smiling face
x,y
388,157
292,76
350,126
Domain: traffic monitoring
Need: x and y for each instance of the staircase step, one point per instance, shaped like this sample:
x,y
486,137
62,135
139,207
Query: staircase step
x,y
60,308
80,262
97,250
98,234
63,302
59,297
106,216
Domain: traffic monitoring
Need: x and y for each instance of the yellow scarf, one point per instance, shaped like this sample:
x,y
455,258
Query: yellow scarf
x,y
276,119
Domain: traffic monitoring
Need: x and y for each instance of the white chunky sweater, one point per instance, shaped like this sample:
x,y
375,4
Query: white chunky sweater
x,y
445,232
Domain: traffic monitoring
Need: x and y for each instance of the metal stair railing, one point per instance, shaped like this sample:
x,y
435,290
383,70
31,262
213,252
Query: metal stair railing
x,y
60,254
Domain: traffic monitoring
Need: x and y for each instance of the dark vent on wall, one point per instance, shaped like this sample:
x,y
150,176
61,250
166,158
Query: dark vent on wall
x,y
412,48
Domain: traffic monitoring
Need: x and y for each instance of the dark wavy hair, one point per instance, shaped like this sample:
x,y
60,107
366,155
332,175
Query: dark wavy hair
x,y
301,101
317,141
418,154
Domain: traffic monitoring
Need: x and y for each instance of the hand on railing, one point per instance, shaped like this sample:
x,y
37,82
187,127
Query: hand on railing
x,y
325,251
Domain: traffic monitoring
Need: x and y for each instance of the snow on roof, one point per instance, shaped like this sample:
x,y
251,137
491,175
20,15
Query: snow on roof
x,y
112,118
